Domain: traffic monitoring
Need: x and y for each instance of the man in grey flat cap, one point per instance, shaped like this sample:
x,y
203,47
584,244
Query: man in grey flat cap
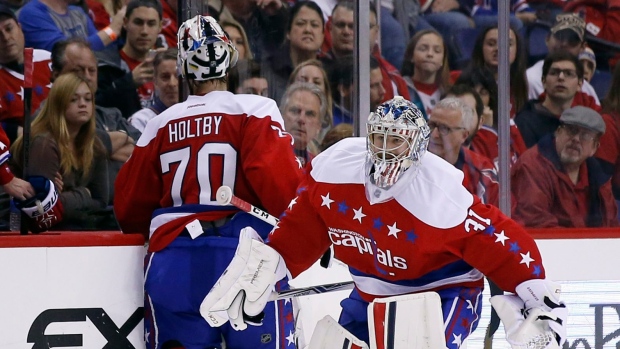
x,y
557,183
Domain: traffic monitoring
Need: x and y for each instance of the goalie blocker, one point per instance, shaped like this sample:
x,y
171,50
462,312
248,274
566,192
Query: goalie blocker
x,y
44,209
535,317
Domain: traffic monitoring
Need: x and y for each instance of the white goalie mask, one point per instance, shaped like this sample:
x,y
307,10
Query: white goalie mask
x,y
205,50
397,138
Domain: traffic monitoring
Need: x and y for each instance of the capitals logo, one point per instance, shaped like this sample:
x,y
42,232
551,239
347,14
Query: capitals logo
x,y
347,238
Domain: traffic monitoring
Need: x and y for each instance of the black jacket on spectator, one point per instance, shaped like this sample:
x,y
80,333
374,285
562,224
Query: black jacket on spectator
x,y
265,33
277,68
116,88
534,122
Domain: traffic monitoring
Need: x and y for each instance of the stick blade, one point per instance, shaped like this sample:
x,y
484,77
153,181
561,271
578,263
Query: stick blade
x,y
224,195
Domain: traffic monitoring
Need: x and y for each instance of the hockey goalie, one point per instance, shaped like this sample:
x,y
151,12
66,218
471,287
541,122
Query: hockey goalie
x,y
417,244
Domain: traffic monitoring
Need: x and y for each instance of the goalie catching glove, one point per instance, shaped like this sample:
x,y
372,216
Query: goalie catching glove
x,y
44,209
535,318
243,290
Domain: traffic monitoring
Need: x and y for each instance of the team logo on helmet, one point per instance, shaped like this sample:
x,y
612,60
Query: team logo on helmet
x,y
397,139
205,50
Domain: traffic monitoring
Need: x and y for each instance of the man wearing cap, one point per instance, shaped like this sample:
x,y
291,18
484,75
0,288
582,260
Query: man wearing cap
x,y
567,35
558,183
12,73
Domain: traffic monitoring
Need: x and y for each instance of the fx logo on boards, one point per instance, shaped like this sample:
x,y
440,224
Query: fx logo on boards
x,y
116,337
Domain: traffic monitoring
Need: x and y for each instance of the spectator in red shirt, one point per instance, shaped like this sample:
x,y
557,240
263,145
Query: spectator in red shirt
x,y
558,183
12,73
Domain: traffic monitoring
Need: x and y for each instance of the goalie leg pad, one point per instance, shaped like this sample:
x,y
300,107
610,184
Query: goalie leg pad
x,y
329,334
408,321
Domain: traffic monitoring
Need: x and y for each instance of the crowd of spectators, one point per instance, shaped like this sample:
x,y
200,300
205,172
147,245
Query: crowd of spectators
x,y
104,68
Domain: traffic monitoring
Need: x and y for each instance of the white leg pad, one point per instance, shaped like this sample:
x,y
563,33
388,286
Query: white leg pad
x,y
408,321
328,334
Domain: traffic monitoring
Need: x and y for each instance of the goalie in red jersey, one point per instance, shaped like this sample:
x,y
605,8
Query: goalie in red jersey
x,y
402,221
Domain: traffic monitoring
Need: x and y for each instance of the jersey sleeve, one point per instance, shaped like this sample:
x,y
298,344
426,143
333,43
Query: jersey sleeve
x,y
269,163
301,236
499,247
138,190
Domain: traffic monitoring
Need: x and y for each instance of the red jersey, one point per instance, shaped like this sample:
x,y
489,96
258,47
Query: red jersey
x,y
12,87
392,82
424,233
5,173
191,149
480,176
146,90
485,142
98,13
169,27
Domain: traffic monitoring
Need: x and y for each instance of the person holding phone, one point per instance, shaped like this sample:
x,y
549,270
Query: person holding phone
x,y
126,76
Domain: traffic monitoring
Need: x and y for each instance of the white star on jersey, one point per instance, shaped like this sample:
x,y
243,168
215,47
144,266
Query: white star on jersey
x,y
299,162
358,214
21,92
290,339
393,230
457,340
526,259
327,201
292,203
470,306
501,237
275,227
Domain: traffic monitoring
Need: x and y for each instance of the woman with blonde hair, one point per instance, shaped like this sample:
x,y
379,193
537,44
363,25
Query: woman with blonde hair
x,y
311,71
64,148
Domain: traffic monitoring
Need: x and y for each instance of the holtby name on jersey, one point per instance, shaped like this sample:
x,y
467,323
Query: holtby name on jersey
x,y
194,126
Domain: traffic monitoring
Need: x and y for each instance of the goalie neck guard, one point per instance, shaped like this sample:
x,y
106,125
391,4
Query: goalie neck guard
x,y
397,139
205,50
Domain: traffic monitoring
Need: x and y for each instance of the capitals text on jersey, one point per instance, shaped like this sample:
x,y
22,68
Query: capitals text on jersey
x,y
365,245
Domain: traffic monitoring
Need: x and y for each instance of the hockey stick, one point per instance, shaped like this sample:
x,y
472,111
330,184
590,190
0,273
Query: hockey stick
x,y
28,72
225,196
312,290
